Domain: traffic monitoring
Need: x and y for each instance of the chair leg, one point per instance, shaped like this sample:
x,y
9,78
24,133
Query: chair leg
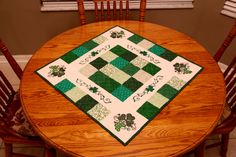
x,y
224,145
8,150
50,152
199,151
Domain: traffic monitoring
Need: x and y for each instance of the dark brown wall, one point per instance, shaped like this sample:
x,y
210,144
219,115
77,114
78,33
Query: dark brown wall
x,y
24,28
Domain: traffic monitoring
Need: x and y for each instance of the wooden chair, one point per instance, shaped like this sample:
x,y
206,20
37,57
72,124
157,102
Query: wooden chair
x,y
228,123
14,127
15,66
111,11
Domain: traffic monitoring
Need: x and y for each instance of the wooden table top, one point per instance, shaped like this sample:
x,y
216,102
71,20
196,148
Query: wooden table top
x,y
180,126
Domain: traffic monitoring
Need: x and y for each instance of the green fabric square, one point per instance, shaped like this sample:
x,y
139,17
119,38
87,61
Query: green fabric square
x,y
151,68
69,57
129,56
118,50
86,103
104,81
148,110
80,51
135,38
119,62
132,84
157,50
167,91
130,69
98,63
168,55
89,45
64,85
122,93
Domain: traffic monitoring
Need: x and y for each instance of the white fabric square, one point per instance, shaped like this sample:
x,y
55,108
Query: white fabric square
x,y
145,44
142,76
88,70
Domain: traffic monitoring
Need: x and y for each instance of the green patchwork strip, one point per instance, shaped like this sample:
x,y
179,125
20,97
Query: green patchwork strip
x,y
133,84
135,38
168,91
168,55
119,50
157,50
89,45
86,103
98,63
64,86
122,93
104,81
69,57
151,69
148,110
129,56
130,69
80,51
119,62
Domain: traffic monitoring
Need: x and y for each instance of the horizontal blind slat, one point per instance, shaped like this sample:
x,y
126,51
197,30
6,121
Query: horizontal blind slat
x,y
229,8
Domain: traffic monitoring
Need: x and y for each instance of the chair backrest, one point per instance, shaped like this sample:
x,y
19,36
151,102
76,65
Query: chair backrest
x,y
230,81
229,38
110,10
229,74
229,123
7,94
15,66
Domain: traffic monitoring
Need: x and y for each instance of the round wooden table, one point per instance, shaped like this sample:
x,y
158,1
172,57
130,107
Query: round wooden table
x,y
180,127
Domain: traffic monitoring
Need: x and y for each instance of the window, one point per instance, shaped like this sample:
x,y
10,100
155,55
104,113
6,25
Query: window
x,y
70,5
229,8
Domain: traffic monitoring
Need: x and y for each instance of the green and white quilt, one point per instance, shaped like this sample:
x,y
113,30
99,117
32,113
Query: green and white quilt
x,y
120,79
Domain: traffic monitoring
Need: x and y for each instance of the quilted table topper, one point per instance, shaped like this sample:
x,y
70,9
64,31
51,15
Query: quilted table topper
x,y
120,79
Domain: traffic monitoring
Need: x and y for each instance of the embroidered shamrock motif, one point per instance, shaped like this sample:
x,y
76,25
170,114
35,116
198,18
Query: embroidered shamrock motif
x,y
182,68
116,34
93,89
57,70
124,121
144,53
94,53
149,88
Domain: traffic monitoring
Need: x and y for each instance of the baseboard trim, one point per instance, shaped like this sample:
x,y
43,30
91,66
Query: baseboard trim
x,y
18,58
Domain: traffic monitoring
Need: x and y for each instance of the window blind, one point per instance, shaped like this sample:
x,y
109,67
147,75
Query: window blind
x,y
67,5
229,8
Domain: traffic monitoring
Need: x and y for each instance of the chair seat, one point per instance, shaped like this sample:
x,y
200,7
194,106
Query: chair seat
x,y
17,119
226,113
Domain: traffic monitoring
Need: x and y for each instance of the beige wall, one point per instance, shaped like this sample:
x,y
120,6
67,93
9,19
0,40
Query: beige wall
x,y
24,28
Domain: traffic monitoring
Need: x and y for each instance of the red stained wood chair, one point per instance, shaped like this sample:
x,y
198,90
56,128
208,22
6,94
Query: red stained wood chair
x,y
110,10
14,127
228,122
